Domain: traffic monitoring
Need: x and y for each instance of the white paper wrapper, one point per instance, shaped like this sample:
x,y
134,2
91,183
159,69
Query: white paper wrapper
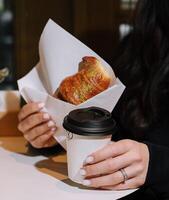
x,y
60,54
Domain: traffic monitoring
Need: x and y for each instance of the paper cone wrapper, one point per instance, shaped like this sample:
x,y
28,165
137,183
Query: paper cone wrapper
x,y
60,54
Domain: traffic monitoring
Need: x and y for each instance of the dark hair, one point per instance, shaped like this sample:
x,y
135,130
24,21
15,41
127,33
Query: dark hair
x,y
142,64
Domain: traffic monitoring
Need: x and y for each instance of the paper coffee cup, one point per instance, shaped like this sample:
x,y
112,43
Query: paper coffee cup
x,y
88,130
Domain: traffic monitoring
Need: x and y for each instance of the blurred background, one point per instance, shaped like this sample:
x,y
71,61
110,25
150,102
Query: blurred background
x,y
99,24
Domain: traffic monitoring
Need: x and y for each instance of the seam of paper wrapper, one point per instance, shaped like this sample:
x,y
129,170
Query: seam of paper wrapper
x,y
58,108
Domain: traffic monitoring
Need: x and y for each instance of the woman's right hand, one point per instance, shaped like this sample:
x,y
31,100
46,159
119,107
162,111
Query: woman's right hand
x,y
37,127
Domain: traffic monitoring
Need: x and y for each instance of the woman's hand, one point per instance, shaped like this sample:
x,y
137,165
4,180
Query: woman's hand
x,y
102,169
37,127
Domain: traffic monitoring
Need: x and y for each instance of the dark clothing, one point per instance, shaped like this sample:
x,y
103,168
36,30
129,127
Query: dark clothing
x,y
129,60
141,194
157,139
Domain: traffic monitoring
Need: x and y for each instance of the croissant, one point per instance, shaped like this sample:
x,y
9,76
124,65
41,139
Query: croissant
x,y
91,79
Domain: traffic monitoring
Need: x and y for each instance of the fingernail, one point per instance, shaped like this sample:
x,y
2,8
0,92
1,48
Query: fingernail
x,y
41,105
89,159
82,172
53,129
46,116
51,123
86,182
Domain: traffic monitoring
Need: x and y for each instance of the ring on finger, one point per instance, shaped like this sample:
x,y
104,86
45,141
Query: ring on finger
x,y
124,174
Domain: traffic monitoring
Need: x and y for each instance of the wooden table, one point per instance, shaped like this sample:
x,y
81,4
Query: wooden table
x,y
8,124
54,165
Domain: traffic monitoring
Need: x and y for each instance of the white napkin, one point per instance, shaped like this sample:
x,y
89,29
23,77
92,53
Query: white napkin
x,y
60,54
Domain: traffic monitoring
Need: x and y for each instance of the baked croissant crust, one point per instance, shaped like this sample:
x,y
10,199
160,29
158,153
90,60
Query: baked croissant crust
x,y
91,79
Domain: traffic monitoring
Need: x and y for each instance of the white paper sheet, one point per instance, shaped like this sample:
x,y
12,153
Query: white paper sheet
x,y
21,180
60,54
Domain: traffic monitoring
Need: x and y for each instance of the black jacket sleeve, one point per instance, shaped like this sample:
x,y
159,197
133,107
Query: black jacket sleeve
x,y
157,140
158,171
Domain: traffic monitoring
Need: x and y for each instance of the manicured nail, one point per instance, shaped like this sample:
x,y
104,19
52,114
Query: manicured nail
x,y
82,172
53,129
89,159
86,182
51,123
46,116
41,105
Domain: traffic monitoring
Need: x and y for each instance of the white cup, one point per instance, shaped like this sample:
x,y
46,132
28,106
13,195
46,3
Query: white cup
x,y
82,140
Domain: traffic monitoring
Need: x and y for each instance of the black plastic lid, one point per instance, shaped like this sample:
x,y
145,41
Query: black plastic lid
x,y
90,121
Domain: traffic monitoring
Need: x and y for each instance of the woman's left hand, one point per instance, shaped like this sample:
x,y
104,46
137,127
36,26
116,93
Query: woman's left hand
x,y
119,165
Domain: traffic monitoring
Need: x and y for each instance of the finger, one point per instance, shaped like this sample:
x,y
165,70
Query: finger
x,y
108,166
32,121
40,130
113,179
111,150
129,184
104,181
40,141
51,142
29,109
